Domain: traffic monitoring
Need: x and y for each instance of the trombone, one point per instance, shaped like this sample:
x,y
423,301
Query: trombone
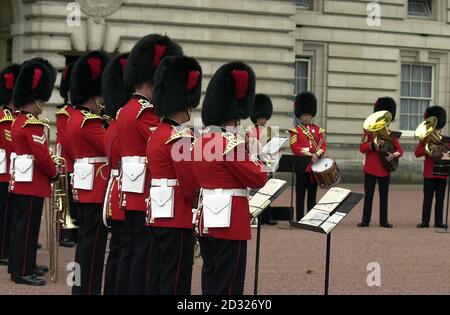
x,y
58,212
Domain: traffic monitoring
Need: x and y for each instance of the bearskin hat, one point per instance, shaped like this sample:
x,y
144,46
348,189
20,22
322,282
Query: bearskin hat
x,y
65,82
86,77
34,83
146,56
8,78
386,103
262,107
305,103
178,85
229,95
114,91
438,112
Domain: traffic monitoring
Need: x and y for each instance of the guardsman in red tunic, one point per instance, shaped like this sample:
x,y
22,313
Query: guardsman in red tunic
x,y
115,95
259,135
307,139
33,169
68,237
8,78
432,184
225,171
136,122
173,188
375,170
86,132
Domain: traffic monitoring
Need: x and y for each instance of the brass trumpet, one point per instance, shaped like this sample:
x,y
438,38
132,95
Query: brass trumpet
x,y
427,132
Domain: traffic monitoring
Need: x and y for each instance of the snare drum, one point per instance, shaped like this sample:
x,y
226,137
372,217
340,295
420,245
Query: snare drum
x,y
326,172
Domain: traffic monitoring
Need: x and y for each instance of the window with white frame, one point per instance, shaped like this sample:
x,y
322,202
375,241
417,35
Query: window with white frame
x,y
302,75
420,8
303,3
416,94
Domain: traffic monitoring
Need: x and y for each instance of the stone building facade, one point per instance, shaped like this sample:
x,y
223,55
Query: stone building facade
x,y
348,52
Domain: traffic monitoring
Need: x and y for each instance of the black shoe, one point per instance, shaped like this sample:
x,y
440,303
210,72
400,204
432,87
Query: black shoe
x,y
270,222
67,243
440,225
363,224
29,280
387,225
4,262
44,269
423,225
39,272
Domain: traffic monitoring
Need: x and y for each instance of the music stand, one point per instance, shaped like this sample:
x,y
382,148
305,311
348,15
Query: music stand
x,y
292,164
257,209
327,225
442,168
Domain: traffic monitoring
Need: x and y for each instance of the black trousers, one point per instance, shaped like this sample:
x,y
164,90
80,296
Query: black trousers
x,y
433,187
26,223
115,246
224,263
305,183
5,220
71,234
90,251
369,189
133,258
170,261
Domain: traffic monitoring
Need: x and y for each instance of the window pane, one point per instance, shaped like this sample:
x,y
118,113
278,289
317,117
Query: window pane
x,y
405,88
426,89
406,72
403,122
416,73
426,74
419,8
415,89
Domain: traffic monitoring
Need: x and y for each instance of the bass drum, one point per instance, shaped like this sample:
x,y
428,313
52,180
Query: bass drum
x,y
326,172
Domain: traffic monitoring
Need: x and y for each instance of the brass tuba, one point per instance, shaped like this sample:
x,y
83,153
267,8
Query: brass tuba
x,y
427,132
377,124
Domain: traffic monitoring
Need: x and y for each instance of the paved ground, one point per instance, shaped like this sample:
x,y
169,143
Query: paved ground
x,y
412,261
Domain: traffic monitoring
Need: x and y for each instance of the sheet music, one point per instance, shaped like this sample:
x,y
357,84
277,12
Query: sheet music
x,y
274,145
320,216
263,197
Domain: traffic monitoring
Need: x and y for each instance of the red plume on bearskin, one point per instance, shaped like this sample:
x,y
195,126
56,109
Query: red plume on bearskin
x,y
178,85
8,78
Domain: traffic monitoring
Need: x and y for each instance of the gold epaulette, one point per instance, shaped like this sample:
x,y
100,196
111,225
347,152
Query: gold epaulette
x,y
321,130
233,141
294,130
7,116
31,120
63,111
88,115
144,105
179,133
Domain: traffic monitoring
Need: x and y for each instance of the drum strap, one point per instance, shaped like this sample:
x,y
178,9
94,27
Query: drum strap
x,y
309,136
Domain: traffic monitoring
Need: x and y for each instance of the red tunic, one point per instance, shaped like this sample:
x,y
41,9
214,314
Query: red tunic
x,y
162,165
87,138
234,173
136,122
428,162
62,116
29,138
373,164
112,149
6,120
302,145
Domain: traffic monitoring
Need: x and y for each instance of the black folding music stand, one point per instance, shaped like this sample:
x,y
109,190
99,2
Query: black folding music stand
x,y
343,209
442,168
291,164
258,239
